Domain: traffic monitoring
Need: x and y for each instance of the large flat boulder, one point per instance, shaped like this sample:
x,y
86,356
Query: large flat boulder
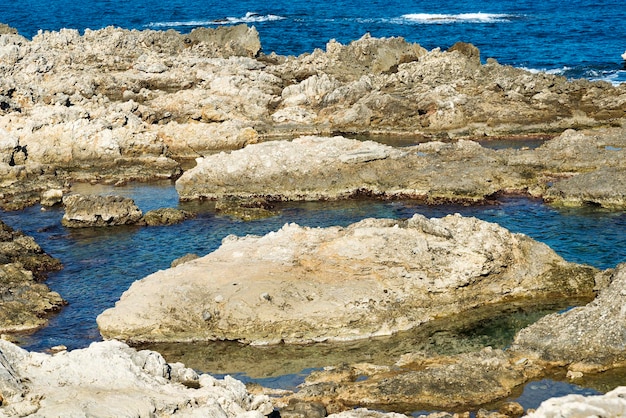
x,y
313,168
111,379
372,278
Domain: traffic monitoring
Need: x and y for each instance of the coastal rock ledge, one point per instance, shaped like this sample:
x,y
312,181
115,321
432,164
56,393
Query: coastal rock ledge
x,y
375,277
111,379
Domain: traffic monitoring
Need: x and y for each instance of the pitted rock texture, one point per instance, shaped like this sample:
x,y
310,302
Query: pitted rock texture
x,y
83,211
112,379
375,277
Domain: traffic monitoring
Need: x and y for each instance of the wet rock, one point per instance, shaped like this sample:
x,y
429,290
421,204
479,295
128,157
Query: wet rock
x,y
184,259
586,338
375,277
15,247
7,30
166,216
246,209
24,302
110,376
448,382
300,409
83,211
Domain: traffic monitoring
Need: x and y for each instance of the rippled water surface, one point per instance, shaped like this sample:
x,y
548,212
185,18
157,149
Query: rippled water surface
x,y
102,263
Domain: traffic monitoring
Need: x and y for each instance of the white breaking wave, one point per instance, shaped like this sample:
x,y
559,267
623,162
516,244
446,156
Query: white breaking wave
x,y
615,77
433,18
250,17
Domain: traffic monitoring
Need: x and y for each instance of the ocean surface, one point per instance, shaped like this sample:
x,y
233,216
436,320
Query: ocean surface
x,y
577,38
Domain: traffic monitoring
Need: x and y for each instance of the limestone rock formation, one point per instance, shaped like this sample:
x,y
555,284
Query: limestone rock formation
x,y
375,277
610,405
116,105
83,211
112,379
312,168
24,301
420,382
165,216
575,168
586,338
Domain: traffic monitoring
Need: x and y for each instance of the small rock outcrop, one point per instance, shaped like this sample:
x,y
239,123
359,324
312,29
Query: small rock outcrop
x,y
585,339
165,216
245,209
373,278
82,211
110,377
24,301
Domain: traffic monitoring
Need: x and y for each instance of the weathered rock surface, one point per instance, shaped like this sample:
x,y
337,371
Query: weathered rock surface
x,y
24,302
165,216
82,211
575,168
586,338
420,382
375,277
313,168
245,209
610,405
117,105
111,379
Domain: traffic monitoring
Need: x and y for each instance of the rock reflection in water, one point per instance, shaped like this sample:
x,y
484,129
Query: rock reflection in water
x,y
493,327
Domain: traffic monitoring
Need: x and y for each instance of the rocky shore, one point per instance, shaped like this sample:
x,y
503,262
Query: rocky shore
x,y
114,105
228,123
25,302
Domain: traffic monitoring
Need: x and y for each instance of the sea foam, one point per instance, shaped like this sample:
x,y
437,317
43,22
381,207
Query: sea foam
x,y
249,17
434,18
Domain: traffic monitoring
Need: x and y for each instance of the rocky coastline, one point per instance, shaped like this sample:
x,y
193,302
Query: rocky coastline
x,y
228,123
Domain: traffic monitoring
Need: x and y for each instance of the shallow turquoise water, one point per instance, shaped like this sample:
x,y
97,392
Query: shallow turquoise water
x,y
99,264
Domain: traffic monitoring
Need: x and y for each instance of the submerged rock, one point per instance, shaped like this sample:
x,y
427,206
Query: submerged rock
x,y
420,382
111,377
165,216
82,211
375,277
245,209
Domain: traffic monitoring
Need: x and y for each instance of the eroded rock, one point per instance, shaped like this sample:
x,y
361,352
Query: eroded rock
x,y
375,277
82,211
110,376
24,301
585,338
165,216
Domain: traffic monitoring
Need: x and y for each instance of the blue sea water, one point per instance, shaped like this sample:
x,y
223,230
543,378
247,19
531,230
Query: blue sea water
x,y
578,38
